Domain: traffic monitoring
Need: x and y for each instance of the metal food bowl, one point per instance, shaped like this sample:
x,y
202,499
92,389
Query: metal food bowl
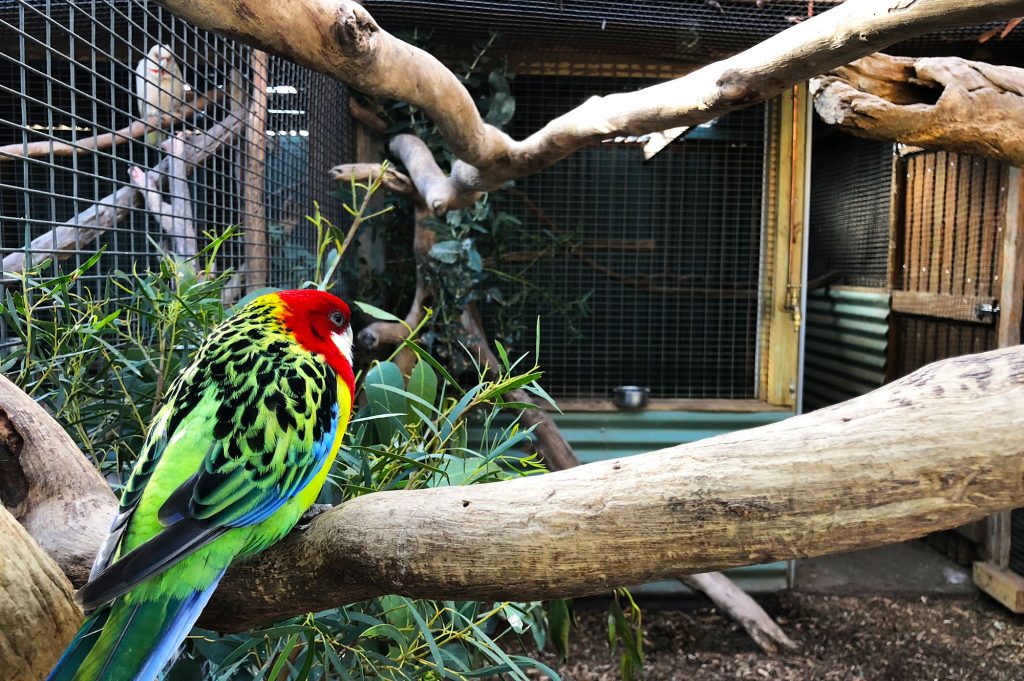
x,y
631,397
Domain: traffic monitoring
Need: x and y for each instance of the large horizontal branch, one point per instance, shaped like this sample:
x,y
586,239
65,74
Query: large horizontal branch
x,y
937,449
944,103
341,39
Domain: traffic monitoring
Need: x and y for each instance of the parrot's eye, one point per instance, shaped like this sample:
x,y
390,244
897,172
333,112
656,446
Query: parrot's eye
x,y
338,319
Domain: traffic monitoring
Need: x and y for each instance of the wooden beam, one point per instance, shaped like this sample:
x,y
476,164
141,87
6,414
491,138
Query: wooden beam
x,y
1011,296
254,213
788,233
1001,584
942,305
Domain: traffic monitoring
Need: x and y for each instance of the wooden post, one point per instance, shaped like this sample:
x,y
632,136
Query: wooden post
x,y
785,320
993,575
254,216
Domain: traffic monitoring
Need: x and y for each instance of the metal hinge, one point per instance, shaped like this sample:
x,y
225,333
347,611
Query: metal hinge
x,y
986,310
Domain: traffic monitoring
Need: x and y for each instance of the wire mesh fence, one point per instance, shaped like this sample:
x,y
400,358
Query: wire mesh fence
x,y
849,213
127,129
679,30
660,256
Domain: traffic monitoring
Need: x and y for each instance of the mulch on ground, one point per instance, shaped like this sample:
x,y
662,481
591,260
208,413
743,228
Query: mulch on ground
x,y
842,638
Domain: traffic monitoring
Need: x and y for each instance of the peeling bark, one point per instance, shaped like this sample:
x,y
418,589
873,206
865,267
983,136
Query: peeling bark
x,y
341,39
944,103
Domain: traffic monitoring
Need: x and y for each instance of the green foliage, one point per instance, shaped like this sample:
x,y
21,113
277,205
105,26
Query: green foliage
x,y
466,264
101,354
625,628
407,435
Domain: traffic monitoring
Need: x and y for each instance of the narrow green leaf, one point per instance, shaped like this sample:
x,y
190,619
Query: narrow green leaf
x,y
560,622
282,657
376,312
426,357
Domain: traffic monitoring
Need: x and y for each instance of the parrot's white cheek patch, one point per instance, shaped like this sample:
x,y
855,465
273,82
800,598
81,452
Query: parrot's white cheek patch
x,y
343,341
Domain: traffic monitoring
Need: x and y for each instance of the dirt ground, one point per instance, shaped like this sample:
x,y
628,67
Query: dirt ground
x,y
874,638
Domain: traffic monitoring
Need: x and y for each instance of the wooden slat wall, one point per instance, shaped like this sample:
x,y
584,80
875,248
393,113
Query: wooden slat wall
x,y
952,242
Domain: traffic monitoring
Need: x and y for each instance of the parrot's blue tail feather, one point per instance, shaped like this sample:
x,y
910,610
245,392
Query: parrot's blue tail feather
x,y
131,640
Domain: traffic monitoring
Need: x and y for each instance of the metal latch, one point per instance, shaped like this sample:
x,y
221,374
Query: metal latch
x,y
986,310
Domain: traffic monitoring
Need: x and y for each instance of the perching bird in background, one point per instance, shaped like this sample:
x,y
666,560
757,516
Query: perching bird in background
x,y
234,457
159,86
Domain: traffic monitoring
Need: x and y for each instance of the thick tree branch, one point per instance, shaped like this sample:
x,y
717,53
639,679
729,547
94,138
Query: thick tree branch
x,y
48,486
37,614
344,41
937,449
945,103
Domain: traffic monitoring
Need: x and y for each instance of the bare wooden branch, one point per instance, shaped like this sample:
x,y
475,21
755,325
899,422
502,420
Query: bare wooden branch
x,y
88,225
174,217
48,486
937,449
182,112
431,183
369,172
344,41
944,103
934,450
366,116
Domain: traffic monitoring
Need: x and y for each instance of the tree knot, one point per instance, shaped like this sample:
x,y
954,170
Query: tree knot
x,y
355,30
13,483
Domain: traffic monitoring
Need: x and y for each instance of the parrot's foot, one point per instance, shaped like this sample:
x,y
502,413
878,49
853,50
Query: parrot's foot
x,y
314,511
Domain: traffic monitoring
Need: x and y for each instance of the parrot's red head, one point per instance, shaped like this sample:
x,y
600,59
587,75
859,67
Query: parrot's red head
x,y
320,322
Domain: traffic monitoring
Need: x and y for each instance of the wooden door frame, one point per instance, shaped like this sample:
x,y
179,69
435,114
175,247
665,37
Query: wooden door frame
x,y
993,574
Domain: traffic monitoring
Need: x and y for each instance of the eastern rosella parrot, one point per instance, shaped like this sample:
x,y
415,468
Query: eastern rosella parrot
x,y
159,86
234,457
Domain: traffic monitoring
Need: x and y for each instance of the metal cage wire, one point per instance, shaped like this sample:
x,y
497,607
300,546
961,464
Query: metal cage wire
x,y
665,253
849,215
68,75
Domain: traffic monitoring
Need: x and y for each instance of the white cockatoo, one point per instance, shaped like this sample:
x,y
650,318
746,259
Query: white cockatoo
x,y
159,86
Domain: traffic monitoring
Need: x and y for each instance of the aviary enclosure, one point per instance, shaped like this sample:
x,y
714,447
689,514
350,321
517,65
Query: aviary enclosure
x,y
743,209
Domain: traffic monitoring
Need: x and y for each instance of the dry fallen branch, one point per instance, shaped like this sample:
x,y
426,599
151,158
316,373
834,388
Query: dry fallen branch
x,y
344,41
736,603
137,129
937,449
944,103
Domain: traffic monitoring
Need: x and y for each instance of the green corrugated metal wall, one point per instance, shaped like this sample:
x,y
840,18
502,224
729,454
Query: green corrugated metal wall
x,y
844,354
600,436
